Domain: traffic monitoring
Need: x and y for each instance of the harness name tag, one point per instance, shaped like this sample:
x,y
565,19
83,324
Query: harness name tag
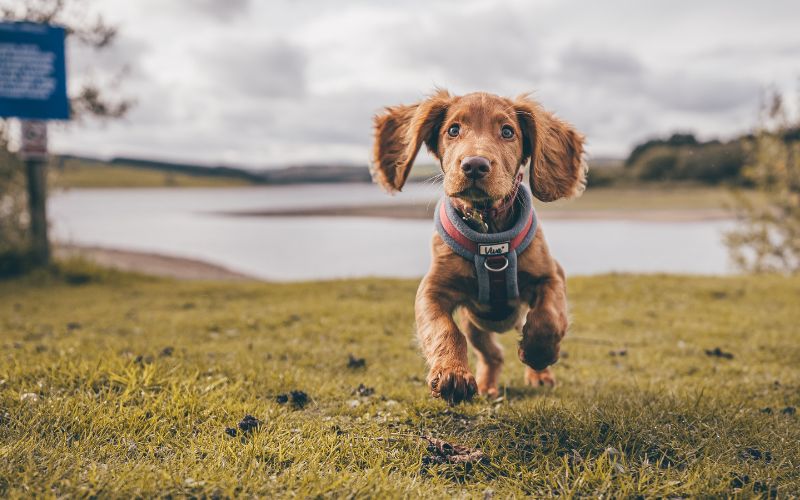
x,y
498,249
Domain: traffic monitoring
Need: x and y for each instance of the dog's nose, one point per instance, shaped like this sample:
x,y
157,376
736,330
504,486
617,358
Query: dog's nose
x,y
475,167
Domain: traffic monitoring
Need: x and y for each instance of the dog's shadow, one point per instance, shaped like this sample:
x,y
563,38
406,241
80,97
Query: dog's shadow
x,y
520,392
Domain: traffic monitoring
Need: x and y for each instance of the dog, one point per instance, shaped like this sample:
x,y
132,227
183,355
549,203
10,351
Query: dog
x,y
482,143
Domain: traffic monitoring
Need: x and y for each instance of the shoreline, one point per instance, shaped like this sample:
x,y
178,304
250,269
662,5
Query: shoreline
x,y
425,212
149,263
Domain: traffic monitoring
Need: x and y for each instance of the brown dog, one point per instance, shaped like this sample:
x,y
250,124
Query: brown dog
x,y
482,141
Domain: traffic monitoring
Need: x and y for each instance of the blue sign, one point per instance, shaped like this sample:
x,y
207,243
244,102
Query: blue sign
x,y
33,77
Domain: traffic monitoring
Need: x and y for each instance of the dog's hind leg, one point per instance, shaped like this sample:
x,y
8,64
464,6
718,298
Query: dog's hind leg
x,y
489,354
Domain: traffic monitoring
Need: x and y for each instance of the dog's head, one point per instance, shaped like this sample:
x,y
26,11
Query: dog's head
x,y
481,141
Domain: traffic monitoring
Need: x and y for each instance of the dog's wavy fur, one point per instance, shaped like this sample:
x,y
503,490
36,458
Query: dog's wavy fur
x,y
554,151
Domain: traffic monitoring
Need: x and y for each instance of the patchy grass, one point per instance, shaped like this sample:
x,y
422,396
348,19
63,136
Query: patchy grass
x,y
117,385
79,174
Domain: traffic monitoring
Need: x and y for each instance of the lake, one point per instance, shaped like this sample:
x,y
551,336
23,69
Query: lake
x,y
183,223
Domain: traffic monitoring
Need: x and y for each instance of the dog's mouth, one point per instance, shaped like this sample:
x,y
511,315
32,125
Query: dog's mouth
x,y
474,194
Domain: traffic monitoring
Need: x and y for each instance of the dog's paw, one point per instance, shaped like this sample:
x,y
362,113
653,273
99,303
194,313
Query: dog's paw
x,y
490,392
539,352
454,385
543,378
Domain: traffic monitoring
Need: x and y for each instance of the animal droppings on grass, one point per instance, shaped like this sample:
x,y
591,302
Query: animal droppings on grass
x,y
73,325
167,352
618,352
363,390
740,481
249,423
766,410
143,360
789,410
298,398
762,487
718,353
443,452
756,454
354,363
231,431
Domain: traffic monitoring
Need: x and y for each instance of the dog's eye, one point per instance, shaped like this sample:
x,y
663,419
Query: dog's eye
x,y
507,132
454,130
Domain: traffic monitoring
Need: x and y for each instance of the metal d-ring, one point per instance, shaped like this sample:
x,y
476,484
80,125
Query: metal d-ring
x,y
492,269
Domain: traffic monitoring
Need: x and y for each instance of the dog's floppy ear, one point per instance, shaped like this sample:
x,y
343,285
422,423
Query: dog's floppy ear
x,y
558,169
400,132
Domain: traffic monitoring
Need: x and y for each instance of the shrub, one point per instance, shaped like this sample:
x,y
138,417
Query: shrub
x,y
712,163
767,238
657,163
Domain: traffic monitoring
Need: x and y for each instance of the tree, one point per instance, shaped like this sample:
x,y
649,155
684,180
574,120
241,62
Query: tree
x,y
767,238
90,100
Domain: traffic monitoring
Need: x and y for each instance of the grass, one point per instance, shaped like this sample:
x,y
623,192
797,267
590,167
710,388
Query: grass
x,y
77,174
119,385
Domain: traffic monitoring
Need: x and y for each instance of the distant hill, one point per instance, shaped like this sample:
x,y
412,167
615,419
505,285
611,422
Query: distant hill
x,y
83,171
88,172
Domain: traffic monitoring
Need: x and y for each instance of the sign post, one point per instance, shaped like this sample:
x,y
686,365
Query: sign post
x,y
33,150
33,86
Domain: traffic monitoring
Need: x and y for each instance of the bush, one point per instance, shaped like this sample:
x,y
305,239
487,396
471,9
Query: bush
x,y
14,263
711,162
13,203
605,176
657,163
677,139
768,236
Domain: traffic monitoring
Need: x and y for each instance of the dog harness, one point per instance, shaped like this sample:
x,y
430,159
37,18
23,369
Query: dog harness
x,y
494,254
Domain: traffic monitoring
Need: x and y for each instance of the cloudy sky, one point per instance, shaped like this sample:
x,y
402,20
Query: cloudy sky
x,y
267,83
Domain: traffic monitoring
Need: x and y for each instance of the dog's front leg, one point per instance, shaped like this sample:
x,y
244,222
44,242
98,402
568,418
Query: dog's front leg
x,y
544,328
443,344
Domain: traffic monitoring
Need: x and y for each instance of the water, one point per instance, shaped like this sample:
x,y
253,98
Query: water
x,y
181,222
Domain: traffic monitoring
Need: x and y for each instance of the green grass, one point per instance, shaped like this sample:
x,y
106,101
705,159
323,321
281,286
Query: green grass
x,y
78,174
90,404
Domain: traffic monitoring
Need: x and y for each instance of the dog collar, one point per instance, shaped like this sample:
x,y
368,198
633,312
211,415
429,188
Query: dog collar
x,y
494,254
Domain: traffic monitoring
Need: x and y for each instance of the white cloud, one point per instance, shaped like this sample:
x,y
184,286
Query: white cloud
x,y
267,83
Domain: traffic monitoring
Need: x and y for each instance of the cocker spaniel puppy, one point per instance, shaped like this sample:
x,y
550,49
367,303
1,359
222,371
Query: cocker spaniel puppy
x,y
490,259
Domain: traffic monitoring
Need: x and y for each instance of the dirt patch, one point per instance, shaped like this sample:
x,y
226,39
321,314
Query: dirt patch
x,y
150,263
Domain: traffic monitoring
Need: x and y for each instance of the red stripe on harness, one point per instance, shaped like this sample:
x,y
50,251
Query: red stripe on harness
x,y
471,245
454,232
517,241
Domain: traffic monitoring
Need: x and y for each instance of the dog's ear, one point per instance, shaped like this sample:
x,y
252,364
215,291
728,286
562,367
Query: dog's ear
x,y
558,168
400,132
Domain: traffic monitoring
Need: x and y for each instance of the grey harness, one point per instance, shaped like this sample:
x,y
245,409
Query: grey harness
x,y
494,254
